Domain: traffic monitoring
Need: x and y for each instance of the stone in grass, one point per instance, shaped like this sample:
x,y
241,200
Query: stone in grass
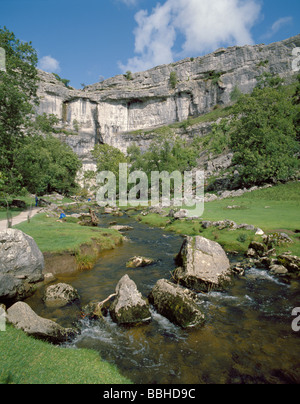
x,y
24,318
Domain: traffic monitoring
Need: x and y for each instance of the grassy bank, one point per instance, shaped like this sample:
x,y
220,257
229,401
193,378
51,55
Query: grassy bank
x,y
62,237
25,360
273,210
52,235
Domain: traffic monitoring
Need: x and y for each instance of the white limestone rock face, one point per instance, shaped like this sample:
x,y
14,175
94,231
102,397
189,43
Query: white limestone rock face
x,y
103,112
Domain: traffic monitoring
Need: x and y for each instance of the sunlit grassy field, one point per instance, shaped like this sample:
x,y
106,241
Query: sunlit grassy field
x,y
272,209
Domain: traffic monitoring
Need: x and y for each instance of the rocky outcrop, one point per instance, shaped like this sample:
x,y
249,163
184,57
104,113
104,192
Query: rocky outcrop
x,y
24,318
129,307
60,295
203,265
176,304
21,265
113,110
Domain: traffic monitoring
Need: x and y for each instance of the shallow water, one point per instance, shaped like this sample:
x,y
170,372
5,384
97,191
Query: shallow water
x,y
247,337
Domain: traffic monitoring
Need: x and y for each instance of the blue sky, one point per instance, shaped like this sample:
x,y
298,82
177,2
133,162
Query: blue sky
x,y
84,41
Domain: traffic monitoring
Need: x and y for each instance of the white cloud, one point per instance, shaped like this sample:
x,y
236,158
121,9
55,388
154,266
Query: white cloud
x,y
49,64
277,26
204,25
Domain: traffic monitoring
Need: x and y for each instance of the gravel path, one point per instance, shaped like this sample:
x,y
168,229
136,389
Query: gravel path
x,y
22,217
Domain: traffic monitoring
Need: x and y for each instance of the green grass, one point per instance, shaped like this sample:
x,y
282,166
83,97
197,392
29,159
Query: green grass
x,y
25,360
52,235
273,210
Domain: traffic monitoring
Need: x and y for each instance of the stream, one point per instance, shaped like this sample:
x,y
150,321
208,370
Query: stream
x,y
247,337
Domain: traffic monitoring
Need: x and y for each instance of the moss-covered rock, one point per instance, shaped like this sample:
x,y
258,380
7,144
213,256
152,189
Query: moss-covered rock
x,y
177,304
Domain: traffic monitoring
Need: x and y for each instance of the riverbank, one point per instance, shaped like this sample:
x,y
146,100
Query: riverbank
x,y
247,301
25,360
274,210
67,246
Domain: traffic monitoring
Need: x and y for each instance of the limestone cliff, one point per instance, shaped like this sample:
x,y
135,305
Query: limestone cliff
x,y
109,111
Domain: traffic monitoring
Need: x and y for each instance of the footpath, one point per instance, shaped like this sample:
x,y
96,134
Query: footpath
x,y
22,217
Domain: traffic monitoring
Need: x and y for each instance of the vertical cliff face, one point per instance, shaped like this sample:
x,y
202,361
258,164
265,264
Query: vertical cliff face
x,y
108,111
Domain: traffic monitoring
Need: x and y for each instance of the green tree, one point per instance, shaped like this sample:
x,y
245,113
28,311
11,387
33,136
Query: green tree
x,y
166,153
128,75
263,136
173,79
108,158
269,80
236,94
46,165
296,102
18,95
66,82
45,123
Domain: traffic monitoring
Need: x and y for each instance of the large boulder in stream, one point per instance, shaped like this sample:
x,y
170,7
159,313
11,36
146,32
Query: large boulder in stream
x,y
21,265
24,318
177,304
129,307
203,265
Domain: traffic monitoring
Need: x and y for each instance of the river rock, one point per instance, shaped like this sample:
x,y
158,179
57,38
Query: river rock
x,y
291,262
24,318
121,228
278,270
60,295
138,262
203,265
21,265
259,249
129,307
177,304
